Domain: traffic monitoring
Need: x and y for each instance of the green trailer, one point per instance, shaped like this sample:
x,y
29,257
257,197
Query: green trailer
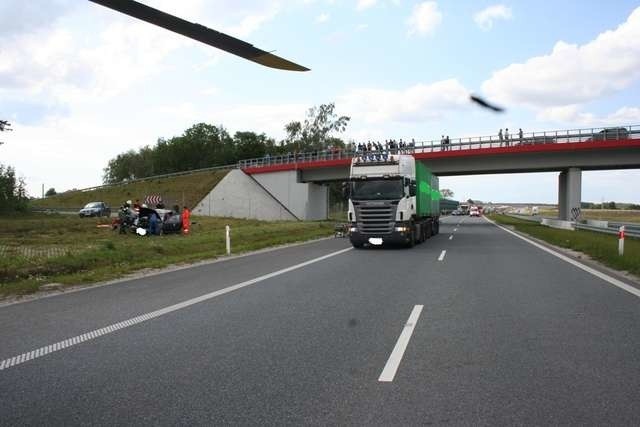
x,y
427,192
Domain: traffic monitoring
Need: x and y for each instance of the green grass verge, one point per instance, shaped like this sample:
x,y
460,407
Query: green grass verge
x,y
599,246
181,190
37,249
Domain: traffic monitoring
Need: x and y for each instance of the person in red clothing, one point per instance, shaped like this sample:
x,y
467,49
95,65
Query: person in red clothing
x,y
186,220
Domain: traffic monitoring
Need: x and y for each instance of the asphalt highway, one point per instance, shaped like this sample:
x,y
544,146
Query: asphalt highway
x,y
473,327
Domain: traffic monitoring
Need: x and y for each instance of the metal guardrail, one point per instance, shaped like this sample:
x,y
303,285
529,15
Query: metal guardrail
x,y
631,229
456,144
608,230
531,218
627,225
149,178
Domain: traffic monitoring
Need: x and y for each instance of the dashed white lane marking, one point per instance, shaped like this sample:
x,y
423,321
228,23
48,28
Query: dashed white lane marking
x,y
455,229
442,254
451,237
43,351
389,371
601,275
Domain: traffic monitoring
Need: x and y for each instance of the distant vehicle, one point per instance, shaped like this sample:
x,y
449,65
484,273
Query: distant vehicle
x,y
457,212
535,210
464,209
474,211
95,209
610,134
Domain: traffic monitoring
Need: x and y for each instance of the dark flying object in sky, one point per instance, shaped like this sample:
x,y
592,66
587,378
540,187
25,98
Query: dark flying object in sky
x,y
485,104
201,33
5,125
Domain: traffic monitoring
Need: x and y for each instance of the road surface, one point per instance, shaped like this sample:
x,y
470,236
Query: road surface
x,y
473,327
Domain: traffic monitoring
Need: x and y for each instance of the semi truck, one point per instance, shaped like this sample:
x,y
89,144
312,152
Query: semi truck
x,y
393,200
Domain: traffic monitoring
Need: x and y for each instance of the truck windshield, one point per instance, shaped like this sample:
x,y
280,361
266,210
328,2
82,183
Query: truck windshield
x,y
377,189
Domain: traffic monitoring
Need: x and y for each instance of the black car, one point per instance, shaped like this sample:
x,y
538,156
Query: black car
x,y
95,209
611,134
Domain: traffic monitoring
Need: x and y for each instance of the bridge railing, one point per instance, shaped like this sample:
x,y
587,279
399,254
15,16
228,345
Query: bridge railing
x,y
467,143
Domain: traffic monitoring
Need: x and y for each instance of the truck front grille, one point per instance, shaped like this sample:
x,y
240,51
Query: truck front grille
x,y
375,218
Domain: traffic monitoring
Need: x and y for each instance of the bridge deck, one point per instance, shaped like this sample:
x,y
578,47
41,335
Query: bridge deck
x,y
544,142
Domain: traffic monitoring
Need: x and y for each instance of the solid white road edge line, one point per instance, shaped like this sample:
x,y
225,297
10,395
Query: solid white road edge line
x,y
42,351
593,271
389,371
442,254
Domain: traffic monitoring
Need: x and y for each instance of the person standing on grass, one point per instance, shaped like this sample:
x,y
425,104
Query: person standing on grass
x,y
186,220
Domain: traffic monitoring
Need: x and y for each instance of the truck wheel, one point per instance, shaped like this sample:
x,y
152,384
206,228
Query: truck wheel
x,y
357,245
412,237
436,227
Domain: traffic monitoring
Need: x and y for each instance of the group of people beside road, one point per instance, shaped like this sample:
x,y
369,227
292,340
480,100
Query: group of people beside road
x,y
130,215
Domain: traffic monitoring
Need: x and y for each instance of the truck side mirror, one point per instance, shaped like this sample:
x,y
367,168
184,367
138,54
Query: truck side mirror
x,y
345,190
412,189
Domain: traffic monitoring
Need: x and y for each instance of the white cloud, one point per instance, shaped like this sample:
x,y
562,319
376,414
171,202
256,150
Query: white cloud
x,y
417,103
365,4
362,27
19,16
323,17
211,91
484,19
254,21
571,73
424,19
572,115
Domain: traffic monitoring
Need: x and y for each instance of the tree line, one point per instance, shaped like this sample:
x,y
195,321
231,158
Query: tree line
x,y
204,145
13,192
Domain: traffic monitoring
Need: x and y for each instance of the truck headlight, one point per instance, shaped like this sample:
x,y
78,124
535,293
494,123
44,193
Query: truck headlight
x,y
402,229
353,229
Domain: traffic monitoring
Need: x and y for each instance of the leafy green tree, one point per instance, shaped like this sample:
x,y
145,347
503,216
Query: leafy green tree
x,y
50,192
445,192
13,193
611,205
315,132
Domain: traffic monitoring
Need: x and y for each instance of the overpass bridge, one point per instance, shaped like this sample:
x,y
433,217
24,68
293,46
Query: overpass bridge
x,y
293,176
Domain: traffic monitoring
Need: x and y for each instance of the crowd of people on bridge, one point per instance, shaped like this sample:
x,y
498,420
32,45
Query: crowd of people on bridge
x,y
505,138
381,150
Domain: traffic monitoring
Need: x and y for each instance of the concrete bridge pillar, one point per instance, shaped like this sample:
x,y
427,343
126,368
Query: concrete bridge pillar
x,y
569,194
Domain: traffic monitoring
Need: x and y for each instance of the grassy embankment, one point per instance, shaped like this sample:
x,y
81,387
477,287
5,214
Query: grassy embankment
x,y
602,214
182,190
38,249
598,246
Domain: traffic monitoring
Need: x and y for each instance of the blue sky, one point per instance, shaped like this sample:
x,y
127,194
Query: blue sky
x,y
82,83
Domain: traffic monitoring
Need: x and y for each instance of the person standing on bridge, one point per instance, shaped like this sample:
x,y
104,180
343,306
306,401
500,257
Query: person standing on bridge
x,y
506,137
447,141
500,137
520,135
442,147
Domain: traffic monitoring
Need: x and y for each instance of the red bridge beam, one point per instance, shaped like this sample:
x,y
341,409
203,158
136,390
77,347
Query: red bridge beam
x,y
548,147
